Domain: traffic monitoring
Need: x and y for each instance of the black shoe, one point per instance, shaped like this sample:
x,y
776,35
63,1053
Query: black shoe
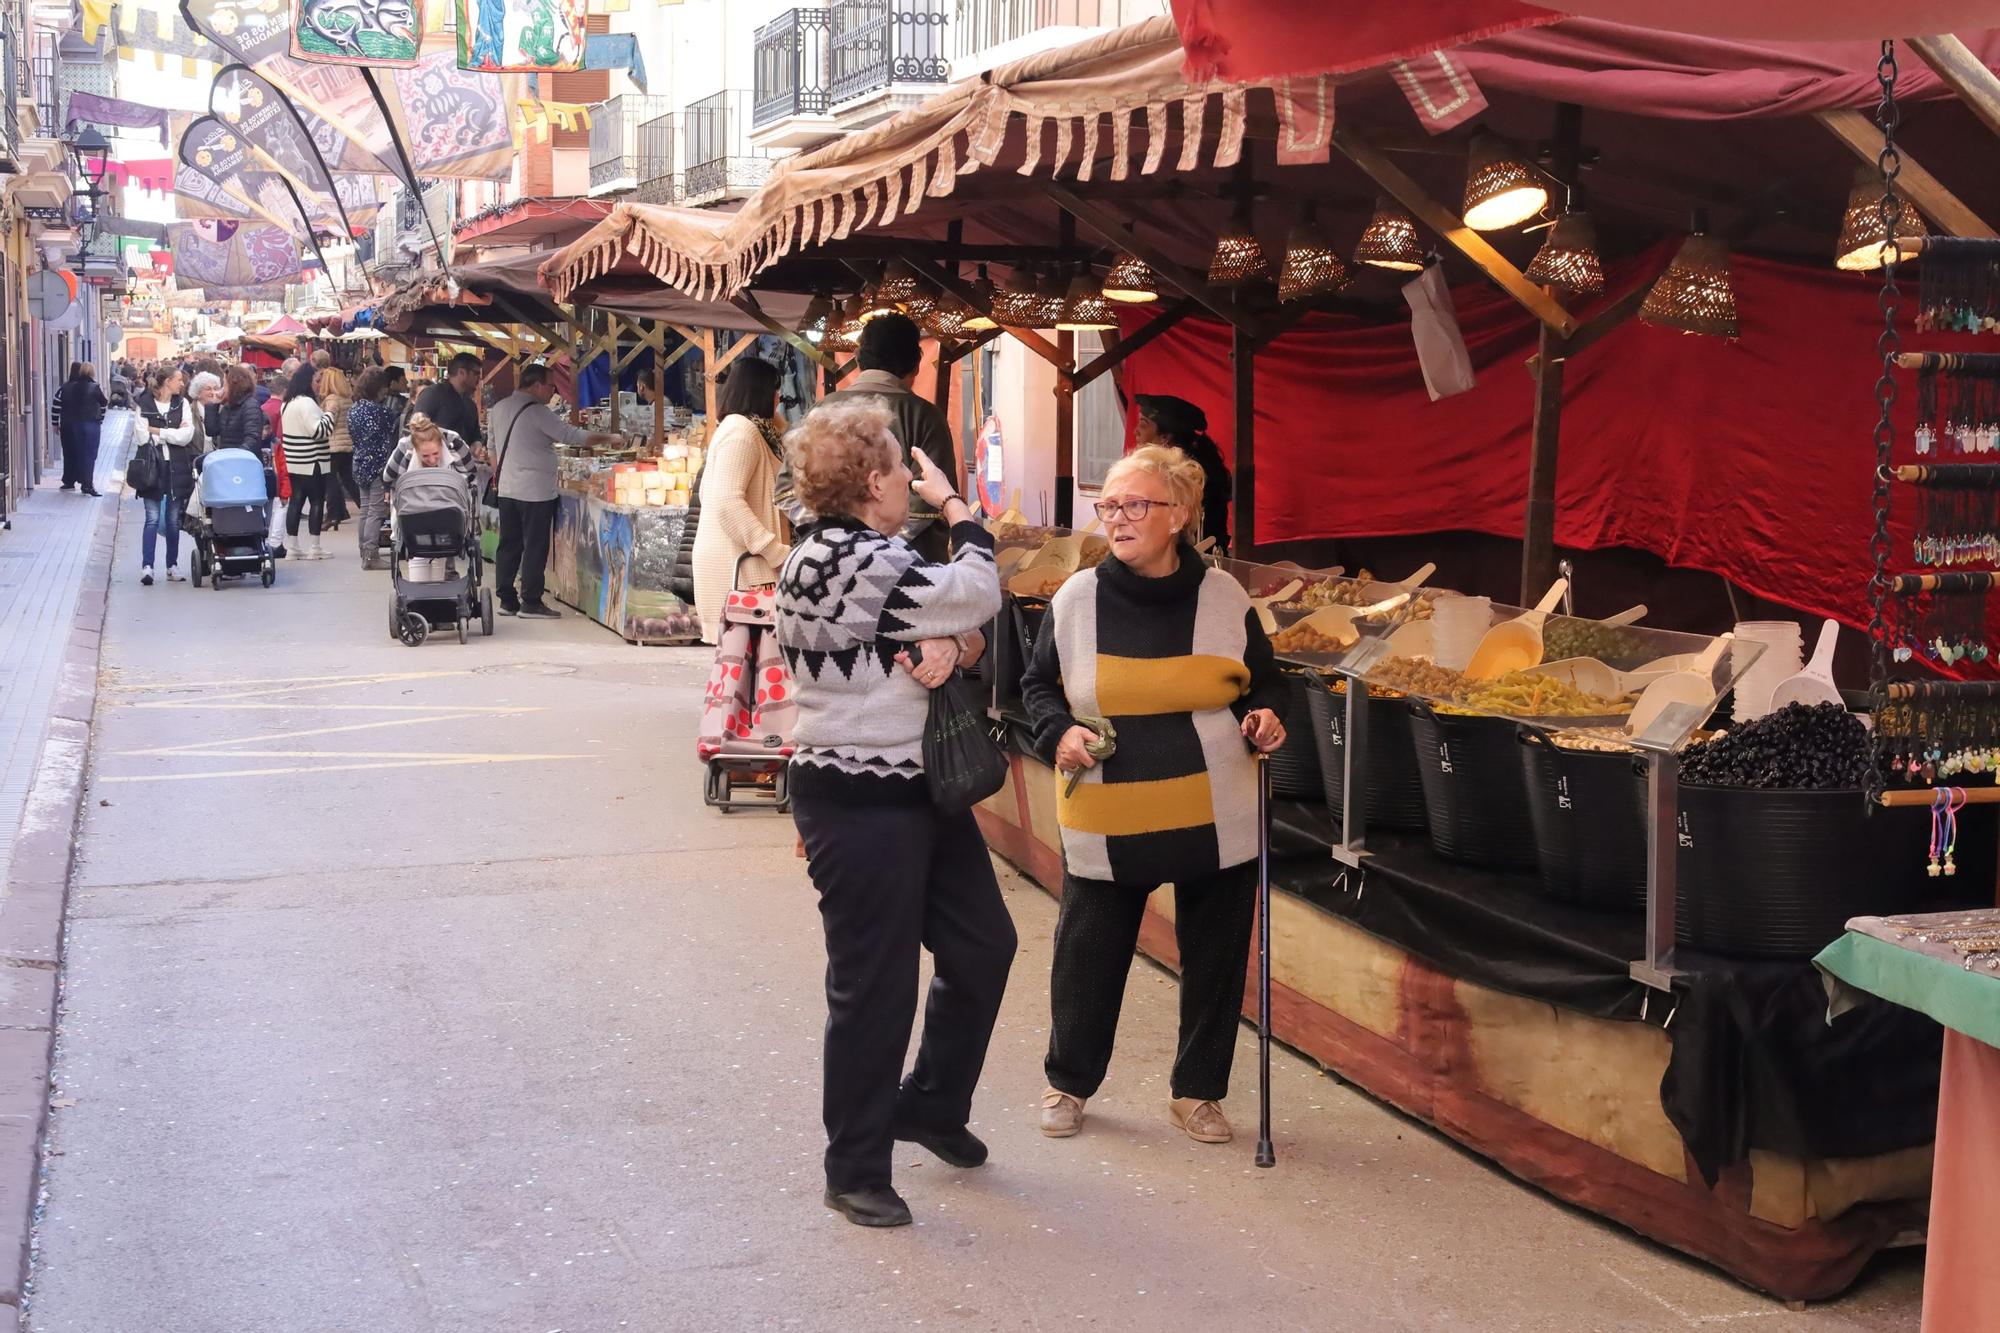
x,y
91,490
881,1207
510,608
955,1147
67,486
540,611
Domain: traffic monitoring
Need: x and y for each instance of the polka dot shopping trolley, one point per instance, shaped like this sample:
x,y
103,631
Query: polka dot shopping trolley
x,y
750,709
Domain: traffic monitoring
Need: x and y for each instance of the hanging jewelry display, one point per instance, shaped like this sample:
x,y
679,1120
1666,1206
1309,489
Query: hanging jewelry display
x,y
1958,402
1958,514
1960,287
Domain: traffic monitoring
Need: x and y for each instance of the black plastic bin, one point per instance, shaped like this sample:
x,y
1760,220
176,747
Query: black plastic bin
x,y
1588,812
1395,790
1295,764
1777,874
1475,788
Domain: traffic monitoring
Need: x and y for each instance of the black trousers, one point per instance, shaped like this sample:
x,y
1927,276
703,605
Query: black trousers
x,y
893,879
1096,932
79,450
340,488
525,529
308,488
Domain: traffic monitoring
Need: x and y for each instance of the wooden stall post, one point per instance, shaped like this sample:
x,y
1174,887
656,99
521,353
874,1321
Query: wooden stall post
x,y
1538,526
1065,432
708,377
660,387
1243,412
610,346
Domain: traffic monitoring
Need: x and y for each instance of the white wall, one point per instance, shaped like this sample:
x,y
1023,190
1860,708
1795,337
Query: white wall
x,y
1024,399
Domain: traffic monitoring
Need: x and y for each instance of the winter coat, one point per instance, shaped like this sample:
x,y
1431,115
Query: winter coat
x,y
239,425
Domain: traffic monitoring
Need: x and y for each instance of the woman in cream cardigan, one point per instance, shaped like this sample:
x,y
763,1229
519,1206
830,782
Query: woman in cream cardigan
x,y
739,510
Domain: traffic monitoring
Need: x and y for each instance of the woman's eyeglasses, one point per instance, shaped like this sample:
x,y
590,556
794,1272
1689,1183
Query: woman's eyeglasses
x,y
1135,510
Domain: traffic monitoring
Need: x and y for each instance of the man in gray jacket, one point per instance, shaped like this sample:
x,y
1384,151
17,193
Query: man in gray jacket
x,y
524,434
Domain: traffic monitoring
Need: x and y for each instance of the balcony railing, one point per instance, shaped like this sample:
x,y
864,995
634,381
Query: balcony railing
x,y
44,75
791,55
876,43
614,140
717,159
982,24
658,182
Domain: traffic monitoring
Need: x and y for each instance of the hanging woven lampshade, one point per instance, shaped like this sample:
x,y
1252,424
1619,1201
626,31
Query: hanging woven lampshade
x,y
1311,267
1390,240
1051,294
1085,307
874,304
919,305
1014,304
1501,190
1238,257
1568,258
946,318
846,321
982,289
1695,294
898,283
1860,248
1131,280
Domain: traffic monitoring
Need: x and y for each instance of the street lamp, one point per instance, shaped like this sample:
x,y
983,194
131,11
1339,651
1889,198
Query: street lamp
x,y
92,152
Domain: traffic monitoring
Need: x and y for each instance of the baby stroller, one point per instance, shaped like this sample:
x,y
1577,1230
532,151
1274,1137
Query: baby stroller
x,y
435,530
750,709
230,520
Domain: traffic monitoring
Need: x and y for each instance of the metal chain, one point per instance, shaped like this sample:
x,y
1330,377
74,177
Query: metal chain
x,y
1890,163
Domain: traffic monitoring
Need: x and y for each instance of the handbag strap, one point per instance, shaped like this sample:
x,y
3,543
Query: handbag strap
x,y
500,459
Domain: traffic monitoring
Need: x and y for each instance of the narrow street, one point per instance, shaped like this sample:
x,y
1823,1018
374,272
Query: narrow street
x,y
417,990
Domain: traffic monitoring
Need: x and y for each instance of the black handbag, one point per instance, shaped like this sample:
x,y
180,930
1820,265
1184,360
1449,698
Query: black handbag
x,y
490,497
146,474
961,763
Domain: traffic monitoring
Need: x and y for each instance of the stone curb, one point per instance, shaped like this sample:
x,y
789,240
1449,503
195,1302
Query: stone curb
x,y
31,917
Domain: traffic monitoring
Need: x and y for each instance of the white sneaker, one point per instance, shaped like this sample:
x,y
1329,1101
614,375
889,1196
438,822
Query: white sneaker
x,y
315,551
146,578
174,574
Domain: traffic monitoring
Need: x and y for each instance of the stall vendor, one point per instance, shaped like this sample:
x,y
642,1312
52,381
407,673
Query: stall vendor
x,y
1165,419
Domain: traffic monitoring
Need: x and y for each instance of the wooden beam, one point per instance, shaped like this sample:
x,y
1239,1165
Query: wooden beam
x,y
708,378
958,351
1538,540
721,363
1111,230
1452,228
747,303
1930,195
1243,414
1964,73
1170,315
506,305
1598,325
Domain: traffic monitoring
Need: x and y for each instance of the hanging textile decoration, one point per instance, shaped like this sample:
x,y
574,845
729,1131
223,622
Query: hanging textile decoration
x,y
615,50
96,17
116,113
154,175
272,129
464,121
357,32
1958,403
1440,90
1960,290
520,36
534,117
231,260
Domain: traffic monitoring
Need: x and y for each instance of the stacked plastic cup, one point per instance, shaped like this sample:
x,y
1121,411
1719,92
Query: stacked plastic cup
x,y
1784,654
1457,626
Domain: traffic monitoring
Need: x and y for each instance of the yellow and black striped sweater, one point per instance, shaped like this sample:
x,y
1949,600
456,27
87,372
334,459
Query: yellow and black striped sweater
x,y
1174,663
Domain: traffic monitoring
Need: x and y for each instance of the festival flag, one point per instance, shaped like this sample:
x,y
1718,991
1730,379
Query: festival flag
x,y
357,32
228,259
520,36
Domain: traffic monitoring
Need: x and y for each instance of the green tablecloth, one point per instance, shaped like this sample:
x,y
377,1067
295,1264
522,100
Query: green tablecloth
x,y
1874,958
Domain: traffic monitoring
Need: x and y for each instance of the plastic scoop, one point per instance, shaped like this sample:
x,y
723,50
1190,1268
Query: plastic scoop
x,y
1814,684
1066,553
1337,622
1413,640
1593,675
1417,579
1263,604
1515,645
1694,685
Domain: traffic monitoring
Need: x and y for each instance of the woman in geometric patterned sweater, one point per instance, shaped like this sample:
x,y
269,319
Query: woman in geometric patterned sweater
x,y
1173,655
870,628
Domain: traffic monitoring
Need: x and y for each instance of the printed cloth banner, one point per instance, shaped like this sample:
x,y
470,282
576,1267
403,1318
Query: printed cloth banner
x,y
224,257
219,169
357,32
271,128
154,175
117,113
454,118
520,36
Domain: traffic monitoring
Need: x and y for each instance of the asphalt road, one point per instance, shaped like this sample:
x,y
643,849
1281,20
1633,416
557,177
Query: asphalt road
x,y
417,990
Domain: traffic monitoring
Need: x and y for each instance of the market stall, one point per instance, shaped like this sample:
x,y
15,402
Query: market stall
x,y
1624,1015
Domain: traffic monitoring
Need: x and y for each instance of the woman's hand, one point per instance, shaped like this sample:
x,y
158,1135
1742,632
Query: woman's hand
x,y
1263,730
1070,754
931,485
940,658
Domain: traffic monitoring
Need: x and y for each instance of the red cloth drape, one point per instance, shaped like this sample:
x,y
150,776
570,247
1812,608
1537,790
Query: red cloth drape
x,y
1248,40
1750,459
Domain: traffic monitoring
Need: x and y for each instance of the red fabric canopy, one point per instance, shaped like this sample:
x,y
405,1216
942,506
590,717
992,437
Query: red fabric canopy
x,y
1751,459
1248,40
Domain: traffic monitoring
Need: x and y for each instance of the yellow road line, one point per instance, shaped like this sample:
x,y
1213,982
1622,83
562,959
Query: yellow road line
x,y
317,768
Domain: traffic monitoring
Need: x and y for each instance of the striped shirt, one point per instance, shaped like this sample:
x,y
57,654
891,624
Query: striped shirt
x,y
307,431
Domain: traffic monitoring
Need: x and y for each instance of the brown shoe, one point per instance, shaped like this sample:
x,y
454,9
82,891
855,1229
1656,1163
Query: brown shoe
x,y
1062,1114
1202,1121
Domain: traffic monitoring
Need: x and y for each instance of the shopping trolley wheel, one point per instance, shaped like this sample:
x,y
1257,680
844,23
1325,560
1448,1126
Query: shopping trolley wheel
x,y
715,785
215,579
463,623
486,611
268,574
414,629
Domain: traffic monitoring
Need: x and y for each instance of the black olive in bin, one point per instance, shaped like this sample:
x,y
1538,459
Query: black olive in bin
x,y
1588,809
1395,789
1776,873
1475,788
1295,764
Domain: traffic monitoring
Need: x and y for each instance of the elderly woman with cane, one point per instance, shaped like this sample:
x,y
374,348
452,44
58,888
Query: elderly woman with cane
x,y
870,628
1165,659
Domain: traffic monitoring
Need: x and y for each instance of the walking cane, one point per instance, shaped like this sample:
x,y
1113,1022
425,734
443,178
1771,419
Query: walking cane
x,y
1265,1155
